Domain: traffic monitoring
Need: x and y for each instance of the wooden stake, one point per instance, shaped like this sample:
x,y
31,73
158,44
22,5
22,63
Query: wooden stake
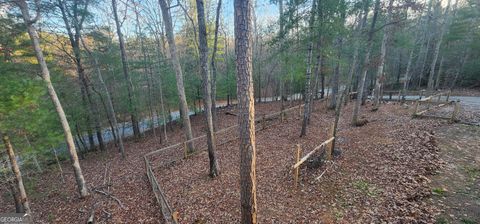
x,y
455,111
59,165
448,96
263,122
416,108
282,116
330,145
297,170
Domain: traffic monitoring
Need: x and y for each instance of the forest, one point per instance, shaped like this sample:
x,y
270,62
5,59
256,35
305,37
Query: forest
x,y
243,111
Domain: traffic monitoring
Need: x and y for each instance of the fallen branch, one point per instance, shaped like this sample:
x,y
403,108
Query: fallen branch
x,y
91,218
230,113
318,178
111,196
107,213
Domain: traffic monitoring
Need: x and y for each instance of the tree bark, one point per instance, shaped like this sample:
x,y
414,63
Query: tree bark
x,y
246,104
16,171
336,75
16,197
356,46
123,54
167,20
431,76
160,87
111,110
437,81
145,71
383,51
82,187
74,38
214,66
426,44
207,95
407,74
361,84
308,92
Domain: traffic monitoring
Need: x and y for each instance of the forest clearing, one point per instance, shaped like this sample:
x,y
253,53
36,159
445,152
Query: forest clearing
x,y
240,111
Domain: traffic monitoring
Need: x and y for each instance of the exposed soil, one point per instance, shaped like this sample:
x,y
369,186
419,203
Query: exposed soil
x,y
382,174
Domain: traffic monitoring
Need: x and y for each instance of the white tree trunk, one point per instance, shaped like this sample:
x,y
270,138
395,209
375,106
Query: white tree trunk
x,y
32,32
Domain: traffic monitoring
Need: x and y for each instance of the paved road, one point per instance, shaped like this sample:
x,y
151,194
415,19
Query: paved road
x,y
471,102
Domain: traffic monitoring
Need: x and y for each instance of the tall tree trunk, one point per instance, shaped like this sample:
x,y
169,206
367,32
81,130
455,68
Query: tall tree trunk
x,y
361,84
131,98
32,32
109,119
308,91
167,20
76,25
383,51
436,52
246,104
145,71
460,68
207,95
16,172
336,75
16,197
317,68
356,46
437,81
281,31
111,110
426,43
407,74
214,66
160,86
408,70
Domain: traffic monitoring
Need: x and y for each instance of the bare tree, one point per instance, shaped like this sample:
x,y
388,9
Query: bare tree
x,y
336,74
246,118
207,94
32,32
436,51
308,91
383,51
111,110
408,70
214,65
425,42
128,79
74,20
139,33
356,46
440,71
361,83
167,20
17,173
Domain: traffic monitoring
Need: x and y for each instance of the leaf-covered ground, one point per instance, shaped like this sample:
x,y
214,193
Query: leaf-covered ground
x,y
55,202
457,187
382,174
